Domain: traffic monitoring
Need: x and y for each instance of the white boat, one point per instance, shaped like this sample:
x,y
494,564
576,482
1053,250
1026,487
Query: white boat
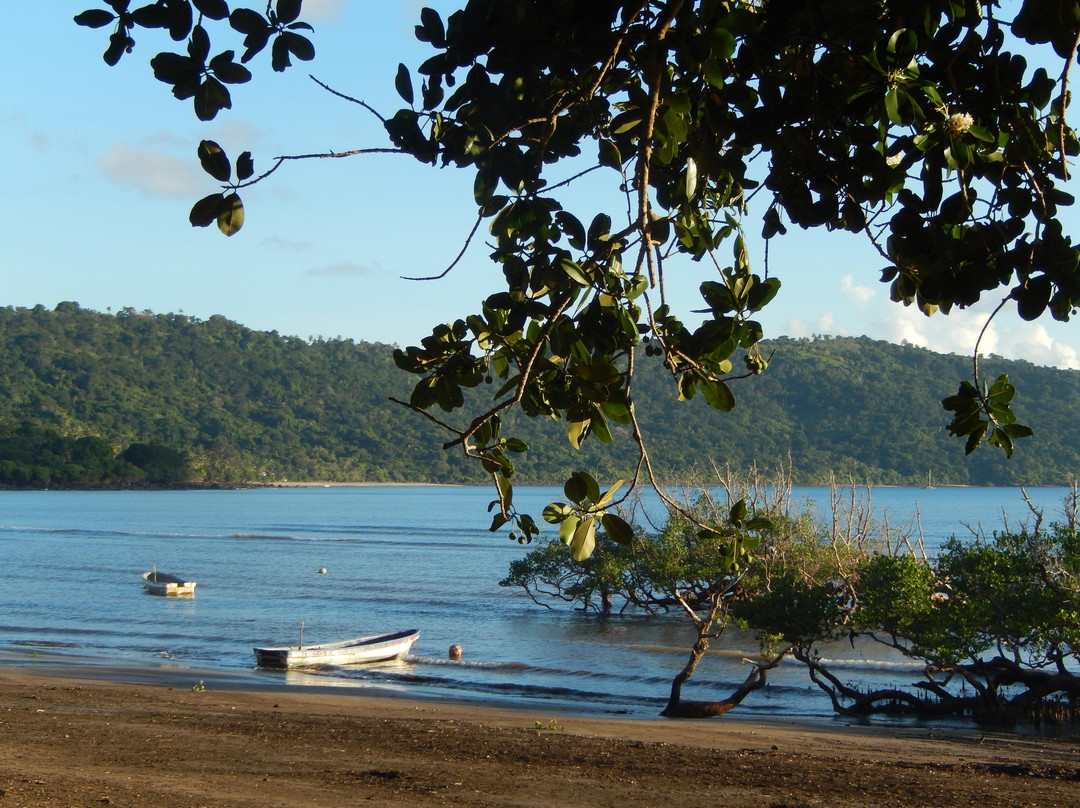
x,y
158,583
375,648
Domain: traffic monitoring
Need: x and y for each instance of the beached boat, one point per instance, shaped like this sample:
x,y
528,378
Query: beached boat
x,y
375,648
158,583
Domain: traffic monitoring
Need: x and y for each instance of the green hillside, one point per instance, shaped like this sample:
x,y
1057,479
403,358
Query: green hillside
x,y
249,405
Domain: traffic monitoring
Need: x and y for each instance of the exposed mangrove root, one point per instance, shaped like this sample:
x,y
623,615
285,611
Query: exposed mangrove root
x,y
678,708
1002,694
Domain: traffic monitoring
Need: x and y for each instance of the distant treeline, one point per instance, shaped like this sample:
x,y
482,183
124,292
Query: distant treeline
x,y
34,456
93,397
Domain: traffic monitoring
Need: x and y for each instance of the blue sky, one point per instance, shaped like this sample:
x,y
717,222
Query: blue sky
x,y
101,172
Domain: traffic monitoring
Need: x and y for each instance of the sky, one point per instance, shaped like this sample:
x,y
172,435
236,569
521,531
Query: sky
x,y
101,171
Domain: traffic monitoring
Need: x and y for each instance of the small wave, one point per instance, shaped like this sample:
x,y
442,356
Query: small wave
x,y
528,669
466,663
292,537
531,690
884,665
45,644
261,536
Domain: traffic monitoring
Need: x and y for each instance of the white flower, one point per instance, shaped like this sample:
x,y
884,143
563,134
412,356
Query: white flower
x,y
959,123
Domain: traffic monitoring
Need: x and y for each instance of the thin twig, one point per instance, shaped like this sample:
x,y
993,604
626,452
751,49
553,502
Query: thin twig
x,y
349,98
454,263
278,161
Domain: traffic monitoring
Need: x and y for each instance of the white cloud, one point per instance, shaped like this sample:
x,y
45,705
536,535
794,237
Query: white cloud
x,y
953,333
346,269
324,10
152,172
172,141
860,294
901,329
285,245
824,325
958,332
1036,345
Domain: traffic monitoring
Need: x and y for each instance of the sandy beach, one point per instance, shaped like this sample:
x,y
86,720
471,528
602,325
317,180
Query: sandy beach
x,y
93,736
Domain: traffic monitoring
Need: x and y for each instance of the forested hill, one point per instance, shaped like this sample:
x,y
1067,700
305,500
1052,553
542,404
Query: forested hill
x,y
250,405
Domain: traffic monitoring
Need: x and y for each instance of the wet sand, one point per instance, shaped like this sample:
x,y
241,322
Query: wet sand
x,y
92,735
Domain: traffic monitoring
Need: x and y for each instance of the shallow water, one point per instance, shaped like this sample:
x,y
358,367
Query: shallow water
x,y
396,557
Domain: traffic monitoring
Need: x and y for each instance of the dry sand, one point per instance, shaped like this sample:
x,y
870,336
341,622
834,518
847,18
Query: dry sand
x,y
73,736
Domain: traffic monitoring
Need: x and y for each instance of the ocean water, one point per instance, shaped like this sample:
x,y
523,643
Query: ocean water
x,y
396,557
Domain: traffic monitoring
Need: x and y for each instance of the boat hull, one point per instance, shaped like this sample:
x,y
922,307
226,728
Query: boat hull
x,y
158,583
376,648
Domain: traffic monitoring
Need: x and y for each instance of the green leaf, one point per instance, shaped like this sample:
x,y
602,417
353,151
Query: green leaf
x,y
626,121
211,97
575,273
516,445
568,527
892,105
738,512
206,210
687,386
723,43
299,46
617,411
212,9
214,161
603,501
575,488
718,395
609,155
577,431
591,485
976,437
94,18
403,84
718,297
231,218
119,43
617,529
1002,441
180,71
245,166
556,513
431,28
228,71
572,228
1017,430
506,490
583,542
288,10
598,426
247,21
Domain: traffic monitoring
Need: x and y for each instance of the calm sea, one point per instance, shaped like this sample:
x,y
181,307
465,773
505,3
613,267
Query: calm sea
x,y
395,558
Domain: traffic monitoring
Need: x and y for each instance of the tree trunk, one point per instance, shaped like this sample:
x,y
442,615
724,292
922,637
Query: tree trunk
x,y
677,708
672,710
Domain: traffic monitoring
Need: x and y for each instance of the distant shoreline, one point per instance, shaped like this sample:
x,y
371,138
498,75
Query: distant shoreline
x,y
195,486
252,486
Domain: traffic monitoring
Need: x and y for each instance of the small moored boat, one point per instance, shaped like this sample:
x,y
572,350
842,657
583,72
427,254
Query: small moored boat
x,y
375,648
158,583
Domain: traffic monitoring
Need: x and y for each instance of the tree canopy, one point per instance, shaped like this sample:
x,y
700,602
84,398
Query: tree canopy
x,y
990,625
719,124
